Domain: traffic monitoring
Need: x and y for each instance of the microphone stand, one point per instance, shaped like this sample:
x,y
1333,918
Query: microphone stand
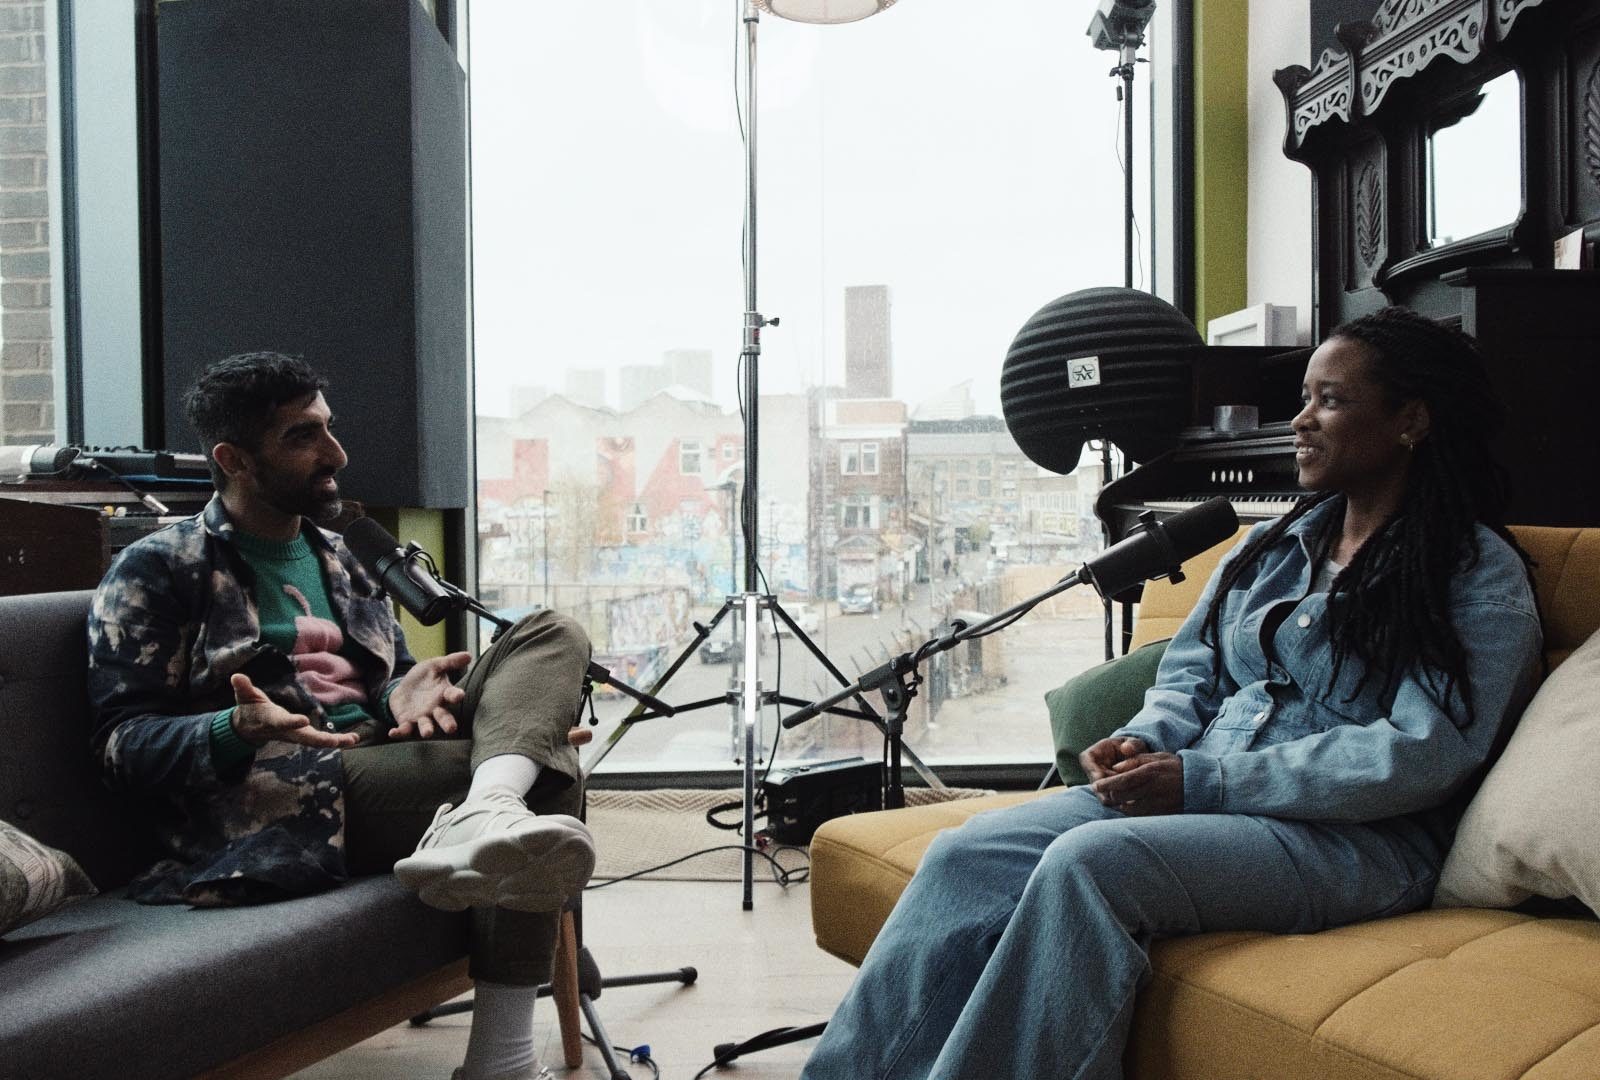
x,y
464,601
899,678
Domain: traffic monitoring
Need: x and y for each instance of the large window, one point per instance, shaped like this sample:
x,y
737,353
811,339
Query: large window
x,y
909,224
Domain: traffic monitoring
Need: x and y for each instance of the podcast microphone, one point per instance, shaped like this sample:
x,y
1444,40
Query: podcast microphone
x,y
1161,547
400,572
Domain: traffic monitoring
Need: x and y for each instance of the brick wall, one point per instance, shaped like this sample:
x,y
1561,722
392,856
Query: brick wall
x,y
27,410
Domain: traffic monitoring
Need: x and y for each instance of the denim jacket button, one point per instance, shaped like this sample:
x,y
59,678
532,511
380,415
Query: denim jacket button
x,y
1259,718
1304,621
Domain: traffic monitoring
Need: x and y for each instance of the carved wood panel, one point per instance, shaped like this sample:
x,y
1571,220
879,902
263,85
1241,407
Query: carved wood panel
x,y
1583,108
1366,215
1436,28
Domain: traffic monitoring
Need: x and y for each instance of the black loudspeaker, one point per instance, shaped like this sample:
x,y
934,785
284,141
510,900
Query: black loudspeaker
x,y
312,162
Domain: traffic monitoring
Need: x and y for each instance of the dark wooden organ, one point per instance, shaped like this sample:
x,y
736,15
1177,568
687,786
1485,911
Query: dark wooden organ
x,y
60,532
1253,469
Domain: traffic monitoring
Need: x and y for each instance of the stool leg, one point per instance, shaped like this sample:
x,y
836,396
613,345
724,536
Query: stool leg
x,y
564,989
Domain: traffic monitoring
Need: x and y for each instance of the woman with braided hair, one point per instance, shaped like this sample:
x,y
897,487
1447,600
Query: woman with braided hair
x,y
1314,732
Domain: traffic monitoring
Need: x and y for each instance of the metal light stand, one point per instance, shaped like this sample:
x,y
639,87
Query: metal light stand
x,y
1127,50
747,694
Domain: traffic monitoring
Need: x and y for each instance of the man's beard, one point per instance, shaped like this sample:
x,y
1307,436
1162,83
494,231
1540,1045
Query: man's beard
x,y
290,497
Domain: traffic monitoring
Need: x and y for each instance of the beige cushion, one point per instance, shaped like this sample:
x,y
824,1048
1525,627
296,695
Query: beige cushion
x,y
1531,829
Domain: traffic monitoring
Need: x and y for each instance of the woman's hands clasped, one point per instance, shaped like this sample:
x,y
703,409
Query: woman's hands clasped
x,y
1126,775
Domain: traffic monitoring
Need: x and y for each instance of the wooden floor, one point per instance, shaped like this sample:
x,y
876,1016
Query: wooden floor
x,y
759,969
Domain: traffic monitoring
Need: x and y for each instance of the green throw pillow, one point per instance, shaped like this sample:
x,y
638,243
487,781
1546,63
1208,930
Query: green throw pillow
x,y
1094,703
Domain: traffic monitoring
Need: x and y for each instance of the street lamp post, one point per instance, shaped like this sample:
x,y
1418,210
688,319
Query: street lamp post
x,y
544,517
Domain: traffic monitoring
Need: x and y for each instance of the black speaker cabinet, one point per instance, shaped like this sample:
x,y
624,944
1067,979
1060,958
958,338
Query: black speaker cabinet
x,y
312,199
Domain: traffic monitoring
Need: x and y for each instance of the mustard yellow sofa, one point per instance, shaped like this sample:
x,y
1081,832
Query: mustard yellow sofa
x,y
1440,994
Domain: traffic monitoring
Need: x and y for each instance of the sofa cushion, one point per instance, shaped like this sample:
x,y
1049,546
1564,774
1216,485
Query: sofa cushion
x,y
202,987
35,879
1566,581
1435,995
1094,703
50,784
860,864
1530,830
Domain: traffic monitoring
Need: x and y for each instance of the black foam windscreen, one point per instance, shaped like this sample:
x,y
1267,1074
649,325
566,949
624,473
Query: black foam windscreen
x,y
1135,393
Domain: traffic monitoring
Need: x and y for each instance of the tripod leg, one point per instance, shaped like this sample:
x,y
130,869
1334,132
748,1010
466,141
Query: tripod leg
x,y
628,721
923,771
603,1041
564,989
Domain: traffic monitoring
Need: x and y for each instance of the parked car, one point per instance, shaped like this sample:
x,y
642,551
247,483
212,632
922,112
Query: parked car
x,y
859,600
722,648
716,650
804,615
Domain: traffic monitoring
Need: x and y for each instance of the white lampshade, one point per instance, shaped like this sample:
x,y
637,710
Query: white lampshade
x,y
823,11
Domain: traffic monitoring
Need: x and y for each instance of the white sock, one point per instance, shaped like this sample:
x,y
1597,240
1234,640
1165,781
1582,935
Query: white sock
x,y
501,1039
504,770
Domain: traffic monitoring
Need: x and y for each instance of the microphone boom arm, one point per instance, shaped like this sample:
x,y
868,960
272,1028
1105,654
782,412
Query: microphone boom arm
x,y
465,601
906,663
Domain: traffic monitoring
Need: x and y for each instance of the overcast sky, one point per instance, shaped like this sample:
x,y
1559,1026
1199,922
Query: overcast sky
x,y
963,153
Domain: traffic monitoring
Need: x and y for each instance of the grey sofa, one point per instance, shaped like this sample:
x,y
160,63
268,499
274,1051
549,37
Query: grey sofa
x,y
110,988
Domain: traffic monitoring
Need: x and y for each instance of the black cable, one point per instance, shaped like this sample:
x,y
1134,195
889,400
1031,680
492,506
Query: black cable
x,y
150,502
783,875
755,1043
637,1055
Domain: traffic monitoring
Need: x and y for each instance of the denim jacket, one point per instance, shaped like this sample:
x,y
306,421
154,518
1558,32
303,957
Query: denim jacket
x,y
173,620
1272,740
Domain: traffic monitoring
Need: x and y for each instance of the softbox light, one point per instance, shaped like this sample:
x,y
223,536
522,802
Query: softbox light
x,y
1103,363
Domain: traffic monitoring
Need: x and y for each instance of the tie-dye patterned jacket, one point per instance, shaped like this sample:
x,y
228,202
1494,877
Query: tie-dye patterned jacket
x,y
173,619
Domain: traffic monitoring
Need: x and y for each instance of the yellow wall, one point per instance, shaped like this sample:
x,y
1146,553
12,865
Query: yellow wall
x,y
1222,154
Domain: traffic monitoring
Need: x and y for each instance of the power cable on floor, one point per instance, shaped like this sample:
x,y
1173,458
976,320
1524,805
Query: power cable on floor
x,y
637,1055
782,875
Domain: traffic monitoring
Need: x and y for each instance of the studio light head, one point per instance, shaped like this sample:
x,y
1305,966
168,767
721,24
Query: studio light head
x,y
1120,23
823,11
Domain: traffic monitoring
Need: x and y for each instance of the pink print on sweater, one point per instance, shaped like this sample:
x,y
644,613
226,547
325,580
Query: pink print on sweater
x,y
329,677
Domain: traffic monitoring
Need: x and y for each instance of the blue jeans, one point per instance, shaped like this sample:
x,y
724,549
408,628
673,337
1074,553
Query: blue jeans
x,y
1017,949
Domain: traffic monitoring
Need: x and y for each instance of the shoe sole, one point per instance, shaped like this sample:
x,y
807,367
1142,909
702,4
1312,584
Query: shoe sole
x,y
537,868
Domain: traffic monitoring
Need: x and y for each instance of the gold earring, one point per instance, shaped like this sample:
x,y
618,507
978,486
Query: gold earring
x,y
1405,441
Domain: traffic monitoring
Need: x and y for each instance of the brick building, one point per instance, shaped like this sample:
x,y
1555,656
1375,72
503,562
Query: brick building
x,y
27,391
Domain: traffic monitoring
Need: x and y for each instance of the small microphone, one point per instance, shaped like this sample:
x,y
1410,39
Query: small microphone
x,y
400,572
17,462
1161,547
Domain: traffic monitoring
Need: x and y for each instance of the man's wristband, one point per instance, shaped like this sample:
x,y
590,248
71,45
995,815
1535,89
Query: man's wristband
x,y
227,748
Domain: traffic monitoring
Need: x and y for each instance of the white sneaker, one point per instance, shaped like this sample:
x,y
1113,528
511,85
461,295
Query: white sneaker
x,y
492,851
532,1072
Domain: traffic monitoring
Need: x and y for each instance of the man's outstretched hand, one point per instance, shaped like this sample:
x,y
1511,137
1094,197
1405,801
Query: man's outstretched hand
x,y
258,720
425,701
